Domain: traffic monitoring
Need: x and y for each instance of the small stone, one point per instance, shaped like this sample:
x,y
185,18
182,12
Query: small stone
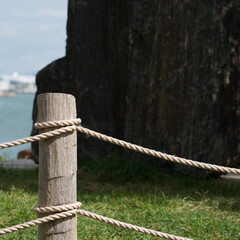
x,y
19,164
231,177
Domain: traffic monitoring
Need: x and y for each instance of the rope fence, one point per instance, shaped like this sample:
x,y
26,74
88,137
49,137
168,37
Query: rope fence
x,y
66,128
68,210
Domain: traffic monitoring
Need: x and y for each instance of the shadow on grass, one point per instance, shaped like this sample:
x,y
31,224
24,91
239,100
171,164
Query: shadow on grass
x,y
98,177
111,174
23,179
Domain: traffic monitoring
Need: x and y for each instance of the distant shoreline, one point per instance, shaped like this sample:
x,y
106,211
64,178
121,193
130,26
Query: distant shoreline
x,y
15,83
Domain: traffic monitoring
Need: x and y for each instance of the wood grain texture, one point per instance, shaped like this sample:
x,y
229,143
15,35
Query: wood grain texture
x,y
57,165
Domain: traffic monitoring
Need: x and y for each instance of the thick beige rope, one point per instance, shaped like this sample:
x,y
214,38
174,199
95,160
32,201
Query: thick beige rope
x,y
59,208
38,221
69,210
157,154
129,226
60,123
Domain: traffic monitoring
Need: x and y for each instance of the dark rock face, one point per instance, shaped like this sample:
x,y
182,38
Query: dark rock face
x,y
163,74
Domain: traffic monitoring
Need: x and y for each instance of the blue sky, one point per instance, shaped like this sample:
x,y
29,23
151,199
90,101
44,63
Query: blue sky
x,y
32,34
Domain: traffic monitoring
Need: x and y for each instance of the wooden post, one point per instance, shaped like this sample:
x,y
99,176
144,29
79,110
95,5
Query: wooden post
x,y
57,166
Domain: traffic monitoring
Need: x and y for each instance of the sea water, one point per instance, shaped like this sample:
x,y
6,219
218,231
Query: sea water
x,y
15,121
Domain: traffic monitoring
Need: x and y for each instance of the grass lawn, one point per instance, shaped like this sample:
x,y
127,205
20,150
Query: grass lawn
x,y
133,193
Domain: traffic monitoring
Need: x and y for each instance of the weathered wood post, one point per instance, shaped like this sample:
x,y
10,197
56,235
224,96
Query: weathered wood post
x,y
57,165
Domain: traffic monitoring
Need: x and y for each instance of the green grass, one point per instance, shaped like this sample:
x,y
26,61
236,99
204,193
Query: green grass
x,y
135,193
4,157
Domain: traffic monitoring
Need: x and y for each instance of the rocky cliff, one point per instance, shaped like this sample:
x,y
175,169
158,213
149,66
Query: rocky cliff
x,y
162,74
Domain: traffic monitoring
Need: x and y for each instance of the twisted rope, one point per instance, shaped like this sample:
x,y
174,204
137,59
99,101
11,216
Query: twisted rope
x,y
60,208
129,226
157,154
38,221
38,137
60,123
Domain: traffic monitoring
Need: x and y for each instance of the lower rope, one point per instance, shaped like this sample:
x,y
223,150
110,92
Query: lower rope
x,y
70,210
130,226
38,221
